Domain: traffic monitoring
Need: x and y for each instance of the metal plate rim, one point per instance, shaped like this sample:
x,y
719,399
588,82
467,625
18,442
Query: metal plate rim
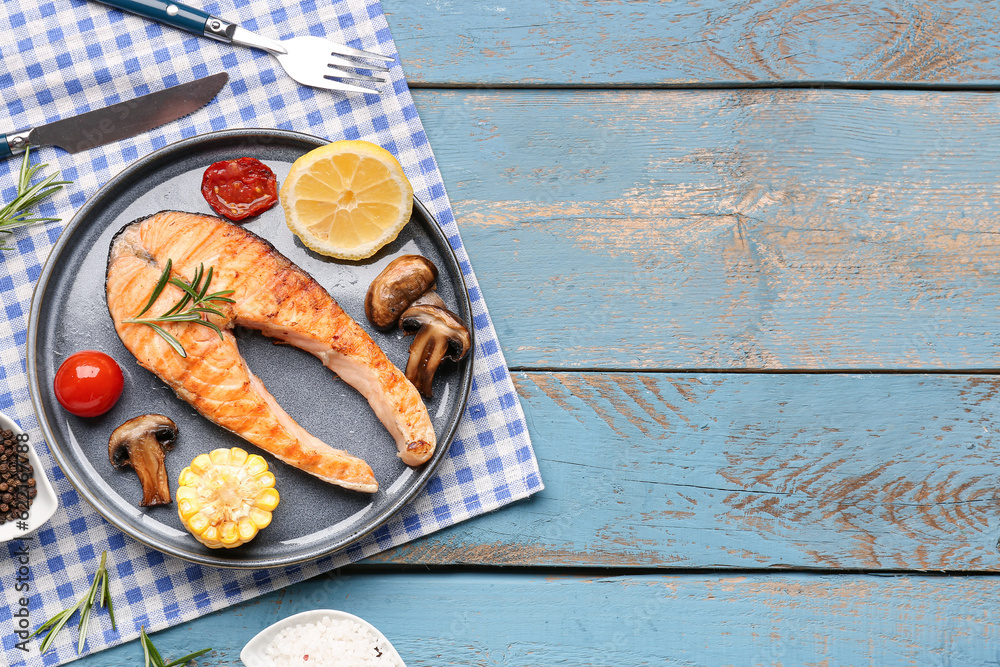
x,y
34,385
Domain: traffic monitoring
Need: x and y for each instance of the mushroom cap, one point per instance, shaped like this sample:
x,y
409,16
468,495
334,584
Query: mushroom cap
x,y
399,285
443,323
430,298
159,428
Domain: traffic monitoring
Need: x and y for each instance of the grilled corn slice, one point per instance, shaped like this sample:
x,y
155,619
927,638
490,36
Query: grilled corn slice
x,y
225,497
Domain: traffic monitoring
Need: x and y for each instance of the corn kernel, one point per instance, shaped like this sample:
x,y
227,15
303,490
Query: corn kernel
x,y
198,523
220,457
247,529
186,509
267,500
227,533
261,518
201,463
255,465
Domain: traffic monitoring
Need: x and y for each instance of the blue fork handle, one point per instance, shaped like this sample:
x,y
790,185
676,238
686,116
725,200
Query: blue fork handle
x,y
171,13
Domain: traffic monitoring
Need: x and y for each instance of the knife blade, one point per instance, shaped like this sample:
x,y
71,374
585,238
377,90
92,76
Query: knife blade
x,y
118,121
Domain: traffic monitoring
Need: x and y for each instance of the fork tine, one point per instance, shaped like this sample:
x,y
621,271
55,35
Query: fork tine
x,y
333,84
343,74
344,62
344,50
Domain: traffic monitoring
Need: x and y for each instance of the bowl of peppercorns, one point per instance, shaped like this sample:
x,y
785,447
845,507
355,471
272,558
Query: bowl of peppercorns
x,y
26,498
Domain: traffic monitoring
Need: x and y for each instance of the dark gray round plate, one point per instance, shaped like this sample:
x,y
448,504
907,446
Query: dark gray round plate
x,y
69,313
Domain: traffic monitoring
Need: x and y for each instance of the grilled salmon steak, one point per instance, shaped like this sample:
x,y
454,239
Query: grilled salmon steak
x,y
274,296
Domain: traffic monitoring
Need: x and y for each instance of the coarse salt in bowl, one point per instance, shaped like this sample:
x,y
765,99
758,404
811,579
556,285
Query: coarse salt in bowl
x,y
321,638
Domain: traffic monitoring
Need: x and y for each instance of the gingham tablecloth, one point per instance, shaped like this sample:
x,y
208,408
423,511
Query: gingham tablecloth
x,y
62,58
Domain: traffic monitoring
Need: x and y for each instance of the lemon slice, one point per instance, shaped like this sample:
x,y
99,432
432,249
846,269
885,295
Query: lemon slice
x,y
347,199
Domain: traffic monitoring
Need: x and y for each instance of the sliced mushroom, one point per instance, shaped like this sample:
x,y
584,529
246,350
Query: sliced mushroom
x,y
140,444
398,286
440,334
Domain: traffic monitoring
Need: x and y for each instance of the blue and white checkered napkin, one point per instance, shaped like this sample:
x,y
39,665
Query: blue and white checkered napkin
x,y
66,57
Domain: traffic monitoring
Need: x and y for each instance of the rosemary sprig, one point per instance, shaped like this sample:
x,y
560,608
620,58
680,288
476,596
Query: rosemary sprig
x,y
153,657
195,293
85,605
15,214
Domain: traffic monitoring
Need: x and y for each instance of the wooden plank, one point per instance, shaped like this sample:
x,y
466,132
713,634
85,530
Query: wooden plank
x,y
877,472
528,619
772,229
645,42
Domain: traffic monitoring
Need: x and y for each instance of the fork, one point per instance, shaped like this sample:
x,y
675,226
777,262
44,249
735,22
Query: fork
x,y
312,61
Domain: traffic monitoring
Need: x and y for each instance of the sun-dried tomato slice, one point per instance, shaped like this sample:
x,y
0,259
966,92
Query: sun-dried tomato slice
x,y
239,188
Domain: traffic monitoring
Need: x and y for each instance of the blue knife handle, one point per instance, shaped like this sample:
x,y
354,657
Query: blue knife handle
x,y
5,150
171,13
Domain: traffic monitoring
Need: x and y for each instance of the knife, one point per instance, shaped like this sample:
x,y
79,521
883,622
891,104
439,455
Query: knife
x,y
118,121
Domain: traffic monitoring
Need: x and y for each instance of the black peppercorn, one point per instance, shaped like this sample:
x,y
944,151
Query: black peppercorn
x,y
17,483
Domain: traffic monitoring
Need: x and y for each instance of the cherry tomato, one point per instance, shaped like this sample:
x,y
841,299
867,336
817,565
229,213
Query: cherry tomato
x,y
239,188
89,383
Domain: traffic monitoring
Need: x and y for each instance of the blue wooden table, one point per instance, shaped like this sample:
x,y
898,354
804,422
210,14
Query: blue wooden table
x,y
743,260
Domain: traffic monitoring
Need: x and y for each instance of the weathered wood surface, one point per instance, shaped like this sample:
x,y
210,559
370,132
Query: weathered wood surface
x,y
729,229
890,472
645,42
528,620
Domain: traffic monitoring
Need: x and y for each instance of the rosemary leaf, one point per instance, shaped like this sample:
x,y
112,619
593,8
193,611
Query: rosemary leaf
x,y
214,326
187,658
104,599
84,624
89,604
195,293
85,604
158,290
209,309
174,343
208,280
97,580
52,621
104,590
152,655
191,293
15,213
196,280
110,606
49,638
144,640
175,317
26,170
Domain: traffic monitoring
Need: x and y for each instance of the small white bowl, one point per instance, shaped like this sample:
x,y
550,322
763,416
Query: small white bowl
x,y
253,654
45,503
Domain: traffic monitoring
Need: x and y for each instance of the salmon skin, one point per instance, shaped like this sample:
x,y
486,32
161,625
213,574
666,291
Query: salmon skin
x,y
276,297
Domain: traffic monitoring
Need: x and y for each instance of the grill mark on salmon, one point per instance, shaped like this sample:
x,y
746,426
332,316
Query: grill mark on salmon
x,y
282,301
